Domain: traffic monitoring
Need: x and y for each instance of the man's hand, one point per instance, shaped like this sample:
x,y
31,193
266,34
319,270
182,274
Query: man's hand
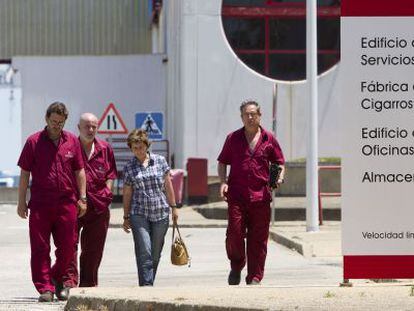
x,y
279,182
223,191
82,207
22,210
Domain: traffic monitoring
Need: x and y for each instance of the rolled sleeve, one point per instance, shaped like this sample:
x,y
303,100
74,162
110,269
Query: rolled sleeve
x,y
226,154
77,163
26,157
112,173
165,168
276,155
127,176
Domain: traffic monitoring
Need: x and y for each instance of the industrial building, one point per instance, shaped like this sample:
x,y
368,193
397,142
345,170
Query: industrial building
x,y
191,61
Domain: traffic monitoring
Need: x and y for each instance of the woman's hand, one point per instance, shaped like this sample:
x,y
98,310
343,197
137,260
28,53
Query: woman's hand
x,y
126,225
174,215
126,201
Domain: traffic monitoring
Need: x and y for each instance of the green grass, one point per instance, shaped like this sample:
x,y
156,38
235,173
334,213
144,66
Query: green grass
x,y
332,160
329,294
412,291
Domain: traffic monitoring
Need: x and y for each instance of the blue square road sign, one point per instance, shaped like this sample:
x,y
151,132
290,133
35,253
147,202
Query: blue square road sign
x,y
152,123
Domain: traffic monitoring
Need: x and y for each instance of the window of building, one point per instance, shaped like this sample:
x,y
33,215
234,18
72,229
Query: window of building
x,y
270,35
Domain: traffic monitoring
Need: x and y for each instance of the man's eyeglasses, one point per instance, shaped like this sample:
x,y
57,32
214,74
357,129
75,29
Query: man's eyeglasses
x,y
57,123
250,114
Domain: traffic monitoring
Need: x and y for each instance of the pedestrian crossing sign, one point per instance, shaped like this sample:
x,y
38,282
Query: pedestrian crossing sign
x,y
152,123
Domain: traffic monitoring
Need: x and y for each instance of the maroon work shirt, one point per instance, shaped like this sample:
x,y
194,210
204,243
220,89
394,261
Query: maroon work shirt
x,y
249,170
52,167
99,168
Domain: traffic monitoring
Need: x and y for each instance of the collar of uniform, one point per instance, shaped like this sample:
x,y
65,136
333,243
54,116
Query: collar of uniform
x,y
98,147
264,136
45,135
263,133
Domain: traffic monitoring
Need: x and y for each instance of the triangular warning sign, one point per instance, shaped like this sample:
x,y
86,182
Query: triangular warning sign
x,y
111,122
150,126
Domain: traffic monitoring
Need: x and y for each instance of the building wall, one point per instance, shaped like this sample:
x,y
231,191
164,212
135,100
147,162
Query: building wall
x,y
204,79
214,82
74,27
10,130
89,84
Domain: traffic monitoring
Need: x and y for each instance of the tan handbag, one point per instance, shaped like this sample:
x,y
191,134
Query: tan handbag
x,y
179,253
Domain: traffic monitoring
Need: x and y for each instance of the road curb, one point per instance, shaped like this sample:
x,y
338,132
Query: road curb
x,y
282,213
362,296
82,302
302,248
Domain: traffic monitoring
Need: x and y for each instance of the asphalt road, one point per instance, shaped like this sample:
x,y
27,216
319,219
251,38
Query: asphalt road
x,y
209,265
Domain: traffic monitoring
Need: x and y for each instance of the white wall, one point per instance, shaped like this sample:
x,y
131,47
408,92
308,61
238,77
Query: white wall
x,y
214,82
205,82
135,83
10,130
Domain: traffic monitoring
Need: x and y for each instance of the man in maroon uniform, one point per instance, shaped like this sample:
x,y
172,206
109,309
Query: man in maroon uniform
x,y
248,151
100,171
57,197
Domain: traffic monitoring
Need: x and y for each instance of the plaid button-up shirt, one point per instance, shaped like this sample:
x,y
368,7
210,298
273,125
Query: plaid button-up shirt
x,y
148,197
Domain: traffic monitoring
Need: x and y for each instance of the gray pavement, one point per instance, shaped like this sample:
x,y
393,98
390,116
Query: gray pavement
x,y
292,282
316,295
292,234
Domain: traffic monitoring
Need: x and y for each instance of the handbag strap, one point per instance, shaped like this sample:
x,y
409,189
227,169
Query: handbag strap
x,y
175,226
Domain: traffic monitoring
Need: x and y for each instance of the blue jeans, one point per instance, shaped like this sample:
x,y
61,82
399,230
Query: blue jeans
x,y
149,240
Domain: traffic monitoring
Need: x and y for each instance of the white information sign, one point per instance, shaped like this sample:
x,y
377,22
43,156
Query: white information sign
x,y
377,76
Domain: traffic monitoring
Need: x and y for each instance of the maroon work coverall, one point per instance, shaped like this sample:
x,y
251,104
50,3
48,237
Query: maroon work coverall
x,y
53,197
92,227
249,199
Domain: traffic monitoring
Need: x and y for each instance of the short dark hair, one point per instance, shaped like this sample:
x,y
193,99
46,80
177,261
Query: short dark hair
x,y
138,136
58,108
248,103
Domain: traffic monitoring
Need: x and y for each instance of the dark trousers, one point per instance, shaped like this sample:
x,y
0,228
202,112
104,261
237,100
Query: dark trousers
x,y
92,230
250,222
59,221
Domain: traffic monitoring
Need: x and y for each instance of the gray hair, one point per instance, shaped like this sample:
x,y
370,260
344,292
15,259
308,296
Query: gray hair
x,y
249,102
88,116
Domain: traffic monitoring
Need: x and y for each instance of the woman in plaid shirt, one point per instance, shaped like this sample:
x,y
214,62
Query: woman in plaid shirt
x,y
148,196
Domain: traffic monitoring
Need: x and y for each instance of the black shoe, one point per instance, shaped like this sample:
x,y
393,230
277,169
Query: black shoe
x,y
234,277
47,296
62,292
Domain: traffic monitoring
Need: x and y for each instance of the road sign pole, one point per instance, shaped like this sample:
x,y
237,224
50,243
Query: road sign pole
x,y
312,81
274,127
